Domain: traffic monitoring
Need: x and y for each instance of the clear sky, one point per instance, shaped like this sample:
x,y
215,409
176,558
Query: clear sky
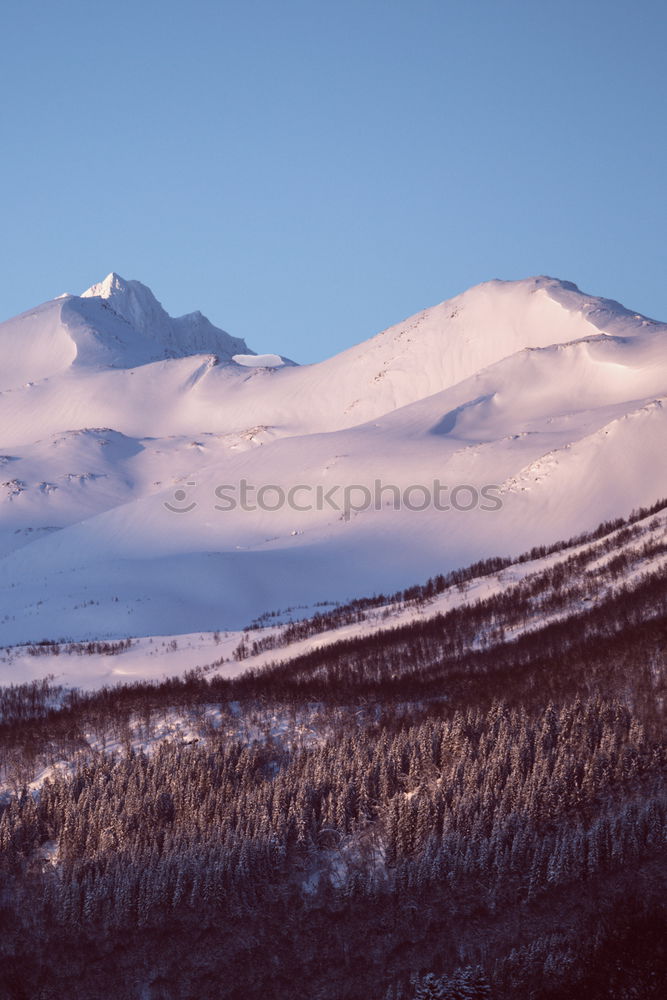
x,y
307,172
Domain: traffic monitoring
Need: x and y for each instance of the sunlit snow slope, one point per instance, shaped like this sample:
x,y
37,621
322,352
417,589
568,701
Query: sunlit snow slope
x,y
111,412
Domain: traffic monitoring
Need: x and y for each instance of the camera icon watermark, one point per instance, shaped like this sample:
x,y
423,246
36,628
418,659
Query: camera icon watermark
x,y
179,499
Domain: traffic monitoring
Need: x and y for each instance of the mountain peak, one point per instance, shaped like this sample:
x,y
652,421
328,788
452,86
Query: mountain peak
x,y
112,284
126,318
132,301
532,299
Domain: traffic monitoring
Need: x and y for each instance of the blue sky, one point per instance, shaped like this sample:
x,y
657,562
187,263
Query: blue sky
x,y
308,173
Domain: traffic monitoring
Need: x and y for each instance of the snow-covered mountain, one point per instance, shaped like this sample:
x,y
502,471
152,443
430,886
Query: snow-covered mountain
x,y
118,424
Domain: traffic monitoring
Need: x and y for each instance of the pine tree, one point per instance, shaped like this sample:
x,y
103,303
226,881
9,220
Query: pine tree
x,y
430,988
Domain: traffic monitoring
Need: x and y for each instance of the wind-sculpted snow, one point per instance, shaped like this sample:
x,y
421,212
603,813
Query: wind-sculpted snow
x,y
126,436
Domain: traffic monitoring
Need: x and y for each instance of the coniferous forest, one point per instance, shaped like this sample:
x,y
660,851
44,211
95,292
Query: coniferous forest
x,y
461,807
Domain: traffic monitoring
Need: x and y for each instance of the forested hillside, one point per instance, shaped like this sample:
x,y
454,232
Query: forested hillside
x,y
467,806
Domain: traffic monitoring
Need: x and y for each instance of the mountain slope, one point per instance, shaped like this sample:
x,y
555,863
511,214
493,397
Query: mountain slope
x,y
504,598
